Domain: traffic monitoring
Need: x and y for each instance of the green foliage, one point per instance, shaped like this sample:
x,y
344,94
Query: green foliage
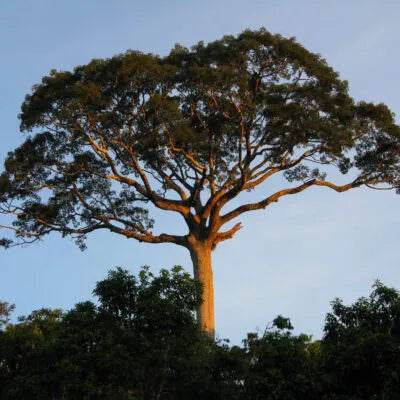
x,y
28,353
280,365
361,346
167,301
5,312
141,341
113,136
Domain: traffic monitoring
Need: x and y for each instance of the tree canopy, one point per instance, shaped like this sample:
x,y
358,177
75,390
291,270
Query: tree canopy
x,y
140,341
188,133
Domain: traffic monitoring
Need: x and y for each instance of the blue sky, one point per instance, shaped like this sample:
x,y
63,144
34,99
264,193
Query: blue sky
x,y
290,259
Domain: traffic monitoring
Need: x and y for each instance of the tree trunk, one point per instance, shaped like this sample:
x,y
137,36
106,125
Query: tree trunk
x,y
201,257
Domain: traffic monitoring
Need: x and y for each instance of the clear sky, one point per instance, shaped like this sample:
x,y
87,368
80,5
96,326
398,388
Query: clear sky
x,y
290,259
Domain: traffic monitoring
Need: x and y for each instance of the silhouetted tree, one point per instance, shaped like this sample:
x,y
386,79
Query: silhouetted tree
x,y
141,342
280,365
361,347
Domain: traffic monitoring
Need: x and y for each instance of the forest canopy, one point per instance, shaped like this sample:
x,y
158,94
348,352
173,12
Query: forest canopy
x,y
140,340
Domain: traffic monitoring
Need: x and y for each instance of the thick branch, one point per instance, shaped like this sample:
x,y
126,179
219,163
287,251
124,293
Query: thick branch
x,y
276,196
149,237
222,236
145,189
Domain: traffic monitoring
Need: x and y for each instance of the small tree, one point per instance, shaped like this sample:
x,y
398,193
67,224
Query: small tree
x,y
361,346
188,133
280,365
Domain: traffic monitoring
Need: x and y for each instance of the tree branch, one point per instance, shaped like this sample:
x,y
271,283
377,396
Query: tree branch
x,y
276,196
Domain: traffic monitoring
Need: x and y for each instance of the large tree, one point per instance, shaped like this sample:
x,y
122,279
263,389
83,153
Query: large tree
x,y
189,133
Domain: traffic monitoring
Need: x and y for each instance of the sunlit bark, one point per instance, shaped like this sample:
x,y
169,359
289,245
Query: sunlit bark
x,y
200,253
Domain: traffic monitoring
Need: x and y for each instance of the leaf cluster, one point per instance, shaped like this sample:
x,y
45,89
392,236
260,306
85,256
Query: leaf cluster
x,y
141,341
117,137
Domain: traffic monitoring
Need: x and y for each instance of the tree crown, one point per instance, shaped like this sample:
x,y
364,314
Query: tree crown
x,y
187,133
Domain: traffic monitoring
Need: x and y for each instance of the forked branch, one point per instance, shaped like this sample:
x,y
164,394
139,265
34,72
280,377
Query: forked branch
x,y
276,196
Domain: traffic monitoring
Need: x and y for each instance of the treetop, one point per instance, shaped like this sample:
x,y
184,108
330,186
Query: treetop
x,y
189,131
